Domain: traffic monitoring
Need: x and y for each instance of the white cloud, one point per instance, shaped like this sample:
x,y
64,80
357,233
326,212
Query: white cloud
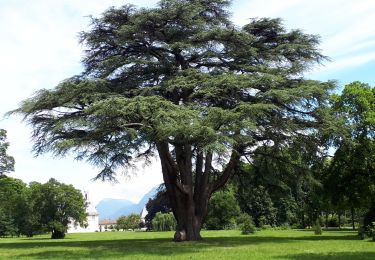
x,y
345,26
345,63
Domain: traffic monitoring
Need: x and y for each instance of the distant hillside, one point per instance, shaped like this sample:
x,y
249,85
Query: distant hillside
x,y
114,208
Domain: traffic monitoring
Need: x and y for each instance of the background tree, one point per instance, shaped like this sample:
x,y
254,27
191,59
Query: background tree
x,y
223,210
6,161
183,81
280,187
121,223
56,205
253,197
351,173
133,221
13,206
260,206
164,222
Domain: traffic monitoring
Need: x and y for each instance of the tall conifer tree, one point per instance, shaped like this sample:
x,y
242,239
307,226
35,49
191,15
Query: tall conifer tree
x,y
185,83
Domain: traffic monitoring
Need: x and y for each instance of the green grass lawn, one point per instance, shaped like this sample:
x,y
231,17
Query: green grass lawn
x,y
265,244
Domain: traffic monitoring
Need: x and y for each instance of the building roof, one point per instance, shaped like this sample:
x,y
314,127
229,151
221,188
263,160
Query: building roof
x,y
107,222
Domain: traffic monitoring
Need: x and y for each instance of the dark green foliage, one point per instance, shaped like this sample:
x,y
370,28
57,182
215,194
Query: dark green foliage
x,y
223,210
287,211
183,81
14,208
279,188
256,201
7,226
6,161
164,222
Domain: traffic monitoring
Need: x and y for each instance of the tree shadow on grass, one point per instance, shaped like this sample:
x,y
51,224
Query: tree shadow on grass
x,y
158,247
331,230
322,238
42,239
332,256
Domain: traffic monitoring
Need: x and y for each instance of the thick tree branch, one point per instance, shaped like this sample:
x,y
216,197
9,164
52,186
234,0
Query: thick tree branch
x,y
228,171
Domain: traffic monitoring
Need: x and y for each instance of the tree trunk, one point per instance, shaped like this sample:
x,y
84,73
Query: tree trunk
x,y
188,224
189,191
326,219
352,215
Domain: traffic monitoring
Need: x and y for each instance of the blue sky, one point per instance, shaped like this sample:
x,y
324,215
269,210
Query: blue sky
x,y
39,48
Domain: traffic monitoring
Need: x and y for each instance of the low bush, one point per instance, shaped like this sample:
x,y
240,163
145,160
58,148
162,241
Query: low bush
x,y
317,228
247,226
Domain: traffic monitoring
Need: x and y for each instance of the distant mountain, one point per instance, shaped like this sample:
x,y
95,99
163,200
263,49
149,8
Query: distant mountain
x,y
108,207
147,196
114,208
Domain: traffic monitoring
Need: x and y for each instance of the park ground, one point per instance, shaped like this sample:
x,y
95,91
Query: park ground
x,y
265,244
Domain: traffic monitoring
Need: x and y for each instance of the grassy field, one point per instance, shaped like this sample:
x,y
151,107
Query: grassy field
x,y
266,244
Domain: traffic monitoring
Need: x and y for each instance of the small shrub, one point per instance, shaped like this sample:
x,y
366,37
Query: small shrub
x,y
264,227
296,226
317,228
247,226
284,226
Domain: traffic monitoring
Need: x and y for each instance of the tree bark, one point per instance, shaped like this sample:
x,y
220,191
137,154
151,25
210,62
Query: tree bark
x,y
189,191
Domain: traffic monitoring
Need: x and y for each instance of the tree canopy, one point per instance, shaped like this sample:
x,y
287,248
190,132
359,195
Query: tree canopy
x,y
133,221
39,208
182,80
6,161
350,176
55,205
13,219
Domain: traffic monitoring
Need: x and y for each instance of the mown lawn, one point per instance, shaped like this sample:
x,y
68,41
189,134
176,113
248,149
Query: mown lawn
x,y
266,244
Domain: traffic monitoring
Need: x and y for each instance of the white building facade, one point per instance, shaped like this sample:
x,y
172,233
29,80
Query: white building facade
x,y
92,224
